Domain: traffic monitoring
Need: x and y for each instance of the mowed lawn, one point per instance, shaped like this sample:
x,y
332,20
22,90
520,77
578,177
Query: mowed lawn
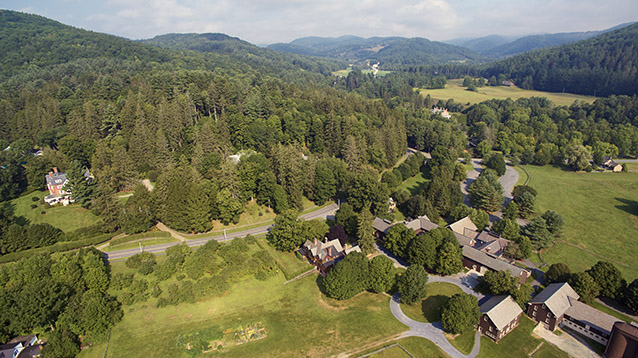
x,y
519,343
67,218
460,94
299,320
417,346
414,184
600,212
429,310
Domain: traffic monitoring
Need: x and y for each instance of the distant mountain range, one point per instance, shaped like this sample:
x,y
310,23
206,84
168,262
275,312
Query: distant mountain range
x,y
497,46
391,52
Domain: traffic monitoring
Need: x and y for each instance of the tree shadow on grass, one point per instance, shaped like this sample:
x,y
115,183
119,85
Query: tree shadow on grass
x,y
629,206
432,307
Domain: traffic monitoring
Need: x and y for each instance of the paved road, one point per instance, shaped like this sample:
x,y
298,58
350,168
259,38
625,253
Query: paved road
x,y
431,331
322,213
472,175
508,181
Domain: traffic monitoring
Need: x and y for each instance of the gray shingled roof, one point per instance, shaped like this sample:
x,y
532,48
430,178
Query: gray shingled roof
x,y
56,178
421,223
591,316
555,297
381,224
501,310
491,262
322,249
461,225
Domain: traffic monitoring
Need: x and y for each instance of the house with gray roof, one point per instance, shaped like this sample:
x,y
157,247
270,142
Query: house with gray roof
x,y
461,226
558,305
381,227
421,225
499,315
481,261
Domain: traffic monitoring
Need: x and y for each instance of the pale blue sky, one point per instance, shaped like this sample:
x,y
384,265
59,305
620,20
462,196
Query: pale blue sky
x,y
268,21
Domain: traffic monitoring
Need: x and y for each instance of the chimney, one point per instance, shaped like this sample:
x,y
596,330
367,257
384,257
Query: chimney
x,y
55,170
50,174
325,240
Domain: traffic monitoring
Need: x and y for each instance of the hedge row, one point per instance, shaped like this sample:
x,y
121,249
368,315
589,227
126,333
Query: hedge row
x,y
57,247
144,235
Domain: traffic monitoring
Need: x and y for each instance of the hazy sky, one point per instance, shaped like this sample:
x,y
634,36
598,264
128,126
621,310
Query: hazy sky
x,y
268,21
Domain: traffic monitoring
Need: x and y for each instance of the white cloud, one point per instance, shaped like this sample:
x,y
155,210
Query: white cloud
x,y
267,21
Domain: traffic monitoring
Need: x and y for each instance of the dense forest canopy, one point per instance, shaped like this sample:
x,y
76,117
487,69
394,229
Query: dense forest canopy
x,y
392,52
600,66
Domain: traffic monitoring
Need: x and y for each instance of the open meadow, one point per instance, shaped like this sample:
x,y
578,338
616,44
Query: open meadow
x,y
453,89
294,320
66,218
600,212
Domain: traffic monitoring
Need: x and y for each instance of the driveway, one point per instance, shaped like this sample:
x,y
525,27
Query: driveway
x,y
472,175
508,181
431,331
566,343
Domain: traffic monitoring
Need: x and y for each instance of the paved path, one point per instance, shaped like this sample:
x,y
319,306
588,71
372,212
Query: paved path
x,y
566,343
398,263
322,213
508,181
472,175
430,331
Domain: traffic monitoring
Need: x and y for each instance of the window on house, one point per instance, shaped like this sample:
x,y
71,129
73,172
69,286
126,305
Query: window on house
x,y
535,307
490,328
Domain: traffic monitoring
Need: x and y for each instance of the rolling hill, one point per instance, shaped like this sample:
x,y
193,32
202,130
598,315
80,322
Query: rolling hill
x,y
603,65
244,51
391,52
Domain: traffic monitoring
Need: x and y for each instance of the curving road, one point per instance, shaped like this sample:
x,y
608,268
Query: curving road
x,y
431,331
322,213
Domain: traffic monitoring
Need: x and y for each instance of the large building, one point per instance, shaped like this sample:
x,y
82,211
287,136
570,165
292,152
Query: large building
x,y
325,254
623,342
558,305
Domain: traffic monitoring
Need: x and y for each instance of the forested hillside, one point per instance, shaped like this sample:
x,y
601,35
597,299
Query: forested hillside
x,y
600,66
391,52
246,52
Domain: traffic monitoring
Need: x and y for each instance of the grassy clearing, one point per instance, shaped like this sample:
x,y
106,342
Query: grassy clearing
x,y
519,343
600,212
463,342
288,261
253,213
394,352
429,310
143,242
66,218
417,346
453,89
298,318
414,185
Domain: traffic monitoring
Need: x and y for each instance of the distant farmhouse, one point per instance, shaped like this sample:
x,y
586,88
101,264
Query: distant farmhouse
x,y
482,251
441,112
57,192
325,254
609,164
558,305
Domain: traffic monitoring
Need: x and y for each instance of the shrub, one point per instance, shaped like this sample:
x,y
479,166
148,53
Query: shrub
x,y
35,198
33,206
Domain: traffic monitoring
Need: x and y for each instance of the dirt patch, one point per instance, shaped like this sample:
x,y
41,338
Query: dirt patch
x,y
149,317
172,317
188,316
322,303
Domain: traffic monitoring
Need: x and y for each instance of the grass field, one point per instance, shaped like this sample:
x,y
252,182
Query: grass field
x,y
519,343
464,342
288,261
600,212
417,346
460,94
414,185
429,310
299,320
67,218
